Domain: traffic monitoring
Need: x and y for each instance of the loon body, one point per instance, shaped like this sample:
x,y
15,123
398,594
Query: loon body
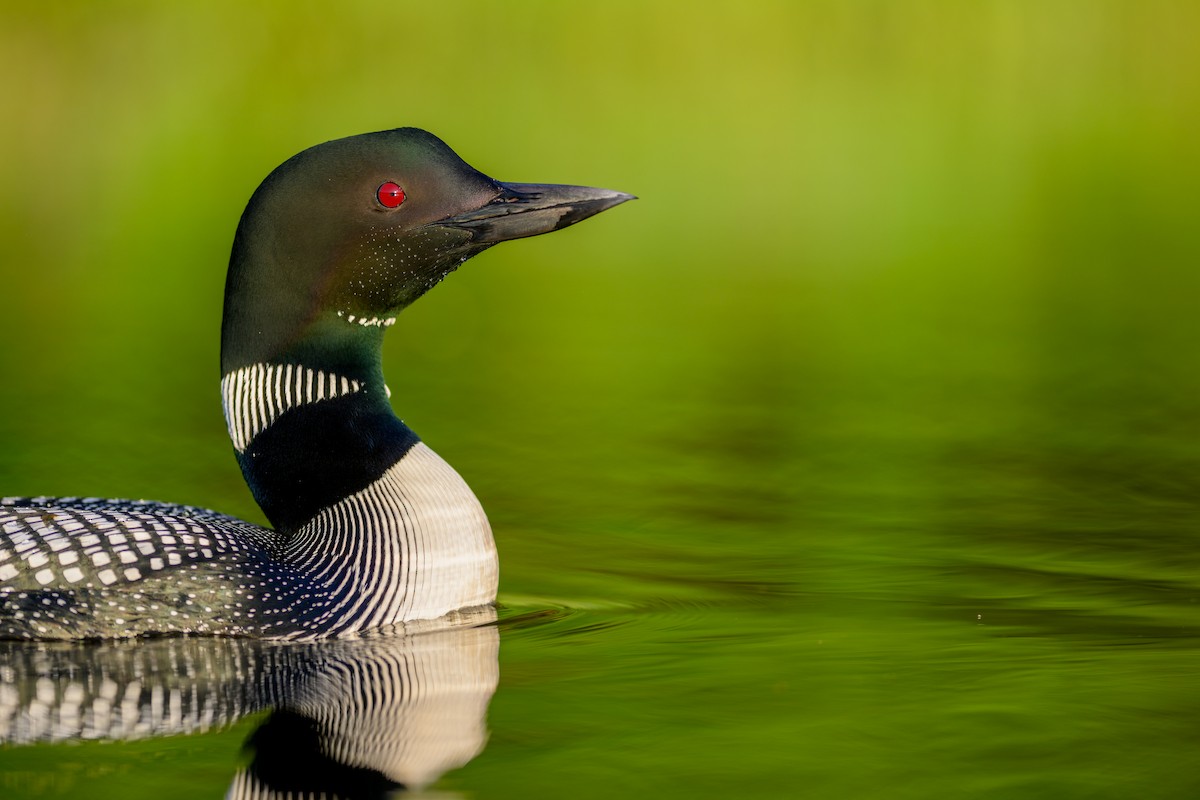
x,y
371,527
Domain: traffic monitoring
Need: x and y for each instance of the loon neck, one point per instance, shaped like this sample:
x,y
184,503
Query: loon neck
x,y
338,342
360,505
308,435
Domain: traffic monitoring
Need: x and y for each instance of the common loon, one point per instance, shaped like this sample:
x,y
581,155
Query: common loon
x,y
371,527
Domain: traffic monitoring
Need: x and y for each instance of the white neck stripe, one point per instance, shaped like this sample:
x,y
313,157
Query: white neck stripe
x,y
255,396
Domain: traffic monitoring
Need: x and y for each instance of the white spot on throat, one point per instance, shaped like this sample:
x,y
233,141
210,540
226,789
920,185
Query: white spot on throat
x,y
368,322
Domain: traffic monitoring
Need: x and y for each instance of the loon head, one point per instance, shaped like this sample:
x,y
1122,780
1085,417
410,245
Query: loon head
x,y
341,237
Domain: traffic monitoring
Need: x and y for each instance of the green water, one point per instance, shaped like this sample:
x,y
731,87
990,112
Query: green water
x,y
860,457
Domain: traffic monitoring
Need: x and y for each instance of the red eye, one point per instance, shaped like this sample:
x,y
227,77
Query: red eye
x,y
390,195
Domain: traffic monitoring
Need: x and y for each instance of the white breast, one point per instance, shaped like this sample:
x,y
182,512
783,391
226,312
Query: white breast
x,y
416,544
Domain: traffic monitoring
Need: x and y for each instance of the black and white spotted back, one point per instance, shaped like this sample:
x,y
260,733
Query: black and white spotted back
x,y
89,568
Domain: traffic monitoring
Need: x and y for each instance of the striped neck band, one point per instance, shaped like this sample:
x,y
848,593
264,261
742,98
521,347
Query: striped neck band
x,y
255,396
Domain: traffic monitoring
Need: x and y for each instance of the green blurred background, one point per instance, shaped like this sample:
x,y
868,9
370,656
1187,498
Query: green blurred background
x,y
860,449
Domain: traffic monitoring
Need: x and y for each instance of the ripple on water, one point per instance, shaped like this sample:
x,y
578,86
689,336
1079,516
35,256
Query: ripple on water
x,y
661,616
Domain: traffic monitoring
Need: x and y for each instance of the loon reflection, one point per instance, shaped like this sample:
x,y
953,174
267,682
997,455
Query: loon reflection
x,y
348,718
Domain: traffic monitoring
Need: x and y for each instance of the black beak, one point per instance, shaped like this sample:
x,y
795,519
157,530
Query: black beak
x,y
527,209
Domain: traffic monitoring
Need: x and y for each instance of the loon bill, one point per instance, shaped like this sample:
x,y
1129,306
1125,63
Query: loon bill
x,y
371,527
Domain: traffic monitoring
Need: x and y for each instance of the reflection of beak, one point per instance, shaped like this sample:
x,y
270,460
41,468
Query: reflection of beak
x,y
527,209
